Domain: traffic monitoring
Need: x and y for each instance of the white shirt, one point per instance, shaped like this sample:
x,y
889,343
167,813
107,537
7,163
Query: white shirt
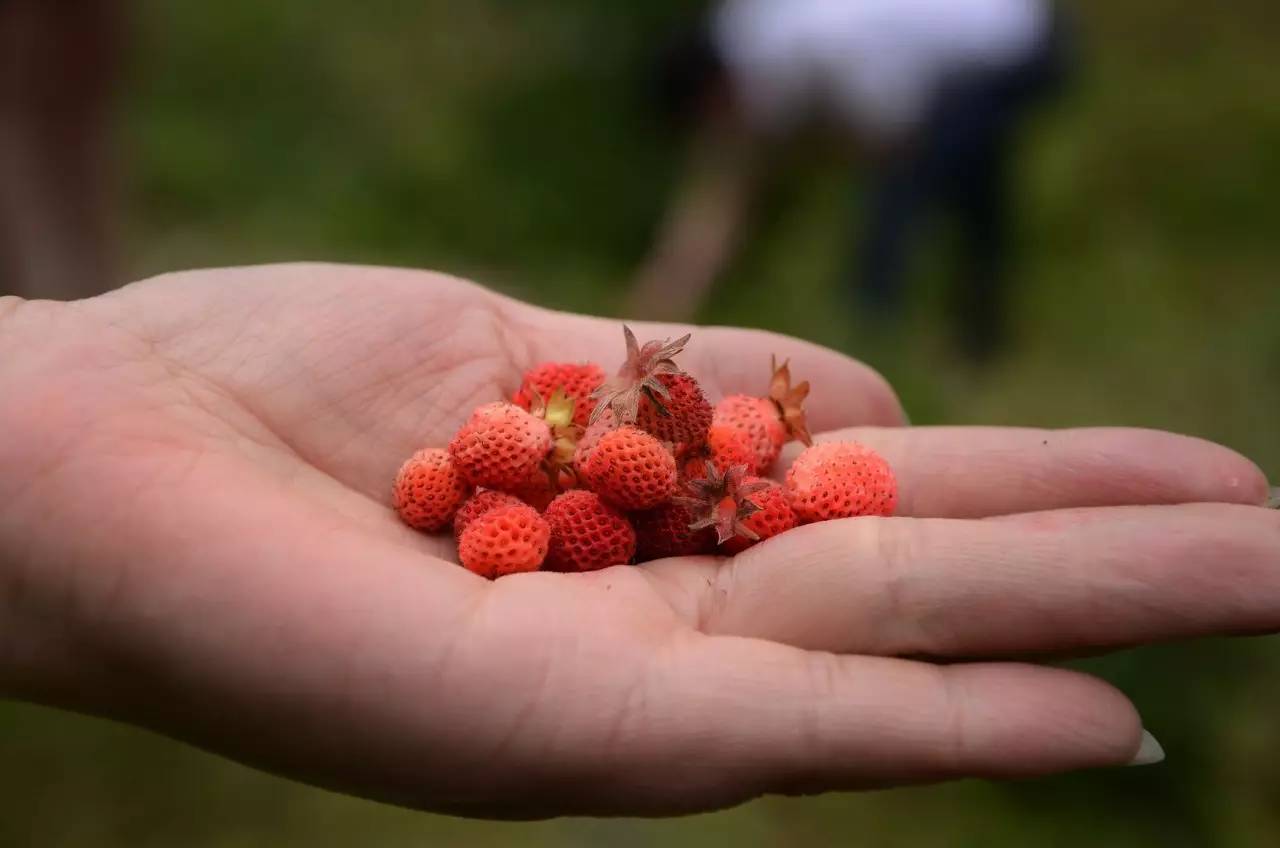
x,y
873,65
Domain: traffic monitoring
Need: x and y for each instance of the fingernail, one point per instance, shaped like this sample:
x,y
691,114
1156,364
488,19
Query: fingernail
x,y
1273,502
1149,753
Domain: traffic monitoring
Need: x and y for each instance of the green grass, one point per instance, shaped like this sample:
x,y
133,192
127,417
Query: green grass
x,y
509,142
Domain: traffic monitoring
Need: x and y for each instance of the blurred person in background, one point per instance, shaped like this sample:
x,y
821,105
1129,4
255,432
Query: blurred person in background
x,y
58,63
931,93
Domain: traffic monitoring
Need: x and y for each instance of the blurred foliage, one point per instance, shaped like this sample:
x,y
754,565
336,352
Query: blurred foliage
x,y
513,143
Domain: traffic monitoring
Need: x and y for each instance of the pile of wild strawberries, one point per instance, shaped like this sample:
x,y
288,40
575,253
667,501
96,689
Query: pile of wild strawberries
x,y
579,472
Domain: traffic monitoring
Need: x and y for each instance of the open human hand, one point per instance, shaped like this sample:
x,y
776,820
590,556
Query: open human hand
x,y
195,537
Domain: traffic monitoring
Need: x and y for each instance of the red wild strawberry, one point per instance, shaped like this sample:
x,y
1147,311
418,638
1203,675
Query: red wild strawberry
x,y
841,480
428,490
774,517
577,381
726,447
757,420
681,416
477,505
587,534
723,502
652,393
540,491
501,446
664,532
505,540
768,423
631,469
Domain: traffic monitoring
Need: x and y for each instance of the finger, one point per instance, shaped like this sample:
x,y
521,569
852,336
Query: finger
x,y
1043,583
967,472
745,718
724,360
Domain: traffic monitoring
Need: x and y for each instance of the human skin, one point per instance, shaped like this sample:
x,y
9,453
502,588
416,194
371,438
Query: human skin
x,y
195,537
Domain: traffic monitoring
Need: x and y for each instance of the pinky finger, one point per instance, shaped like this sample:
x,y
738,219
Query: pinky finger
x,y
773,719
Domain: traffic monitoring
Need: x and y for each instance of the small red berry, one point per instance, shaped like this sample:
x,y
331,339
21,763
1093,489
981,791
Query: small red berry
x,y
841,480
664,532
768,422
587,534
501,446
631,469
505,540
477,505
726,447
428,490
576,380
682,415
758,422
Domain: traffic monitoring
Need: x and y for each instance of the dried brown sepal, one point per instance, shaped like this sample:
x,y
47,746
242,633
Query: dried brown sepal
x,y
789,400
723,500
638,378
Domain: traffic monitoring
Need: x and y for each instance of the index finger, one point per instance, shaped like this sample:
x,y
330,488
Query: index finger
x,y
975,472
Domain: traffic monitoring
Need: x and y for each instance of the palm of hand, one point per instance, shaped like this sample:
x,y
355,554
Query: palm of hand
x,y
211,470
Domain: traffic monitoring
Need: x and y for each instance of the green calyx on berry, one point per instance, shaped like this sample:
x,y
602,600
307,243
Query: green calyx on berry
x,y
637,379
789,401
557,411
723,500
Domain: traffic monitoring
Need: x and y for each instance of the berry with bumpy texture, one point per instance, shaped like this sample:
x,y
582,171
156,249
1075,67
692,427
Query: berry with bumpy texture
x,y
651,392
540,491
664,532
757,420
683,415
726,447
631,469
428,490
477,505
501,446
587,534
774,516
505,540
576,380
841,480
768,422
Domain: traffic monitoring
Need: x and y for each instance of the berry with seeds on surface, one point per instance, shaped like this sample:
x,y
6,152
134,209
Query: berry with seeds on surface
x,y
428,490
587,534
664,532
841,480
768,422
726,447
631,469
505,540
651,392
477,505
576,380
501,446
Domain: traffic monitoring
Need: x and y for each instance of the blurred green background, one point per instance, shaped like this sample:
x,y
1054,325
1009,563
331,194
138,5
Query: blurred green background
x,y
510,142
